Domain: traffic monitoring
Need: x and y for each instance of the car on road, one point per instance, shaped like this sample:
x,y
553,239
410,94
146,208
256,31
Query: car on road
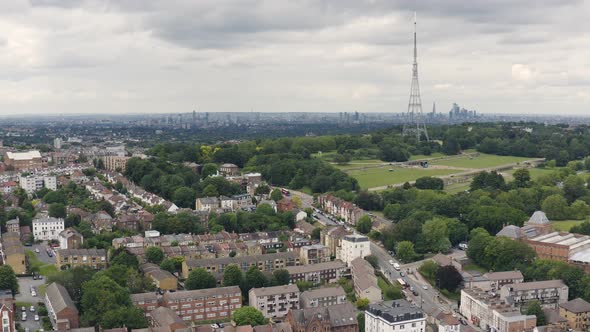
x,y
36,317
396,266
37,250
424,287
415,293
402,274
391,262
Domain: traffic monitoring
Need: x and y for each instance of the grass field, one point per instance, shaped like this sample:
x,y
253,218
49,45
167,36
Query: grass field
x,y
381,176
36,265
457,187
536,172
481,161
565,225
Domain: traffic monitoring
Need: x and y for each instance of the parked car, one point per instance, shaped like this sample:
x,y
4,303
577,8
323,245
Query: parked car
x,y
36,317
32,308
424,287
24,316
37,250
23,309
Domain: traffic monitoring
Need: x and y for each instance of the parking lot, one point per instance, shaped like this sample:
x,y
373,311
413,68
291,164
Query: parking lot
x,y
25,296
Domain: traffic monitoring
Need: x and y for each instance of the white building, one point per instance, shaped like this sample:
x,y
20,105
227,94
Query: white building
x,y
392,316
57,143
33,183
46,229
353,246
275,302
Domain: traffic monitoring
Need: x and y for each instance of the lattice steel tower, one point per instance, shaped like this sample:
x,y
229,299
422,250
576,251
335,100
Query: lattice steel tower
x,y
414,119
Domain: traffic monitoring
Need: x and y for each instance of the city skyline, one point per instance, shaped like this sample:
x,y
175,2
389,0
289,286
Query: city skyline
x,y
499,57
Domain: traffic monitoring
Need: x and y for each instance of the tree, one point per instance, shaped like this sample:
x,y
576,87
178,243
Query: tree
x,y
255,278
447,277
280,277
480,239
247,315
428,182
57,210
210,191
504,254
522,178
534,308
405,251
262,189
555,206
316,233
574,187
487,181
428,269
435,235
362,303
276,195
73,279
123,257
154,255
360,318
8,279
101,289
200,279
130,317
373,261
364,224
184,197
208,170
232,276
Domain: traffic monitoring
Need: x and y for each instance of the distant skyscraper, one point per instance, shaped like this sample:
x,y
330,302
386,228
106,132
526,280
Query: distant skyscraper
x,y
414,120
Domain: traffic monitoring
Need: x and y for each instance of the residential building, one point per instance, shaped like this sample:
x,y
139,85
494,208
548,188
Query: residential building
x,y
146,301
23,160
489,312
101,221
229,170
340,208
397,315
46,229
493,281
33,183
8,186
13,252
332,236
204,304
7,310
577,314
266,263
336,318
322,297
70,238
70,258
447,322
275,302
13,225
115,163
550,293
318,273
162,279
60,308
166,319
353,246
314,254
208,204
365,281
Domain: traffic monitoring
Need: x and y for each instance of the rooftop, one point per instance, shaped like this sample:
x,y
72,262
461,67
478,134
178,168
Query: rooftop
x,y
539,218
316,267
276,290
396,311
504,275
323,292
576,305
536,285
23,155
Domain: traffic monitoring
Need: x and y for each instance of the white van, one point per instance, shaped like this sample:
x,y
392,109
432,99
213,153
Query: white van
x,y
396,266
463,246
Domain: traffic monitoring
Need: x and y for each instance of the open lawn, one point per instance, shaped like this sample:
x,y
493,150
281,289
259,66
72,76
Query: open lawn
x,y
481,161
36,265
536,172
381,176
474,267
565,225
457,187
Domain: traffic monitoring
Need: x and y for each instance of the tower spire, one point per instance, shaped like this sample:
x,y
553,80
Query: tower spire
x,y
414,120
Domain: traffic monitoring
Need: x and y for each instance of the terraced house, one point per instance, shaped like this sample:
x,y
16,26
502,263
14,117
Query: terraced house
x,y
265,263
70,258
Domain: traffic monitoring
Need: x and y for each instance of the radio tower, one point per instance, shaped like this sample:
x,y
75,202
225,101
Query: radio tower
x,y
414,120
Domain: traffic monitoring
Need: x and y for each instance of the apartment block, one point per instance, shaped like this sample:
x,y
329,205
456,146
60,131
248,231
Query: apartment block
x,y
392,316
13,252
490,312
322,297
70,258
46,229
365,281
337,318
577,314
318,273
146,301
265,263
275,302
23,160
353,246
314,254
204,304
33,183
493,281
550,293
115,163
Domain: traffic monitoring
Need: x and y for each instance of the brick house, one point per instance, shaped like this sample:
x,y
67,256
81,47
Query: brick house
x,y
61,309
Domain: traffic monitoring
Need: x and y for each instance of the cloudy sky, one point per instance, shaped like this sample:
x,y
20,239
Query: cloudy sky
x,y
114,56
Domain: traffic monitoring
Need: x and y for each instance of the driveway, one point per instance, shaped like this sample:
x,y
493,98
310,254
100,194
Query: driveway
x,y
42,255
